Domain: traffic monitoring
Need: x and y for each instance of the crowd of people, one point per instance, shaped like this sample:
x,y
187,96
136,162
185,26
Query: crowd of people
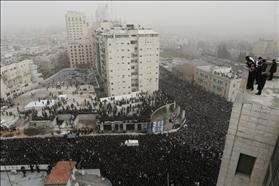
x,y
191,156
258,72
137,108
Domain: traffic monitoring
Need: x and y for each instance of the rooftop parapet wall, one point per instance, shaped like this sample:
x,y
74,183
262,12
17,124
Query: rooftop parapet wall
x,y
253,131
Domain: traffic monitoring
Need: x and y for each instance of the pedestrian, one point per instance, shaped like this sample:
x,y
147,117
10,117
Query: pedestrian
x,y
252,72
258,62
261,76
273,69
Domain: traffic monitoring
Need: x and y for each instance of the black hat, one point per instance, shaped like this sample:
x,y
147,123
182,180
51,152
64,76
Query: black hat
x,y
273,60
260,58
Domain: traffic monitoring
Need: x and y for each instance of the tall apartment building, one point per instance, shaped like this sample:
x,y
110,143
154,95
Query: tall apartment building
x,y
128,59
81,53
77,25
81,48
250,157
219,80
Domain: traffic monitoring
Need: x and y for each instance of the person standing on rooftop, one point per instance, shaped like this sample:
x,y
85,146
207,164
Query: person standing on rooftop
x,y
252,72
261,75
273,69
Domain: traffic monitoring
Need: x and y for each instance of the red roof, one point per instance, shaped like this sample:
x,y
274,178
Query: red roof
x,y
60,174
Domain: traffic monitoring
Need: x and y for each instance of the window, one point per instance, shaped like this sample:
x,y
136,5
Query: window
x,y
245,164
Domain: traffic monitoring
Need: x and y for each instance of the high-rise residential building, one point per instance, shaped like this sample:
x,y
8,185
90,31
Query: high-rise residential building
x,y
81,47
219,80
128,59
250,157
81,53
77,25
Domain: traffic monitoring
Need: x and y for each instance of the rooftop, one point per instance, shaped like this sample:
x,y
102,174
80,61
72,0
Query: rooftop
x,y
31,179
61,173
125,30
220,71
268,98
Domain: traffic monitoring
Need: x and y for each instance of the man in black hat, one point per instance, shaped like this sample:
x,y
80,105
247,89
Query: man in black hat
x,y
261,75
251,65
273,69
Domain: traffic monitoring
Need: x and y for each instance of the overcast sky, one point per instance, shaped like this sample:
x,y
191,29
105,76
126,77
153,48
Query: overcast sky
x,y
222,18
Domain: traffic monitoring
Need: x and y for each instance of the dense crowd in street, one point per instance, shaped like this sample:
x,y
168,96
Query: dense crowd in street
x,y
137,108
191,156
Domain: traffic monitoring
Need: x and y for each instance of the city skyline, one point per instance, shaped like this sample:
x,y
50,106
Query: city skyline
x,y
230,20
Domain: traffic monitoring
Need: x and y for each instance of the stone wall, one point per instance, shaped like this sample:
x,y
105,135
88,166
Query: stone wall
x,y
253,131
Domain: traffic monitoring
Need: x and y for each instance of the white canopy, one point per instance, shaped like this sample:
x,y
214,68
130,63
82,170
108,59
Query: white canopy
x,y
38,104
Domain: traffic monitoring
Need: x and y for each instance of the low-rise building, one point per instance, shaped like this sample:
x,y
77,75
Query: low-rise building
x,y
219,80
18,77
15,77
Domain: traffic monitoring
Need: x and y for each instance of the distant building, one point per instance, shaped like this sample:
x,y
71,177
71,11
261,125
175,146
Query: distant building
x,y
17,77
81,53
81,46
77,25
266,48
219,80
45,62
251,154
102,13
128,59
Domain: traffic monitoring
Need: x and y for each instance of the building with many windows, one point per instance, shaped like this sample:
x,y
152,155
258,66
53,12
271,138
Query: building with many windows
x,y
250,157
219,80
81,47
128,59
77,25
81,53
17,77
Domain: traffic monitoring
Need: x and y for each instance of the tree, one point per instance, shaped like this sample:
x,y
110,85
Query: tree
x,y
241,57
222,52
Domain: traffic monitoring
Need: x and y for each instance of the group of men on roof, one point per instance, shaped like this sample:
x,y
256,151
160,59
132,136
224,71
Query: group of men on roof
x,y
258,72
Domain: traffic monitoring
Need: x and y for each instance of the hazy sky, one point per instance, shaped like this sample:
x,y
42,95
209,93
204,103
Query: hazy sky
x,y
221,18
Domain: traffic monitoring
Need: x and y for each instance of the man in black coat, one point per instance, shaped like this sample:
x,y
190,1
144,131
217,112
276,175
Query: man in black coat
x,y
273,69
261,75
258,62
251,65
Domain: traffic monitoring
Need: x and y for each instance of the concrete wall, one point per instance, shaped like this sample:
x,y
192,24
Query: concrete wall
x,y
253,131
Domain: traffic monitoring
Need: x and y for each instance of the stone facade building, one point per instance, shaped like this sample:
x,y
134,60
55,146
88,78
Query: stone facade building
x,y
250,141
128,59
218,80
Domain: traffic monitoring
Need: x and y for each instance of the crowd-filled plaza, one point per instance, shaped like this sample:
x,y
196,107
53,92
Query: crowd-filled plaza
x,y
189,156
